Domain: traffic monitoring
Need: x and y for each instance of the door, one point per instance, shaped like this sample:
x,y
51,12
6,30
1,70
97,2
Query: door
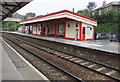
x,y
43,31
76,34
61,29
83,33
39,29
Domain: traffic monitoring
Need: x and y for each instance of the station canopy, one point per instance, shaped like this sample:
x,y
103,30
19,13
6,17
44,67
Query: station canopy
x,y
8,7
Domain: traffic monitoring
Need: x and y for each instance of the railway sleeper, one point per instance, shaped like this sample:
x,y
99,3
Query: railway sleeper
x,y
90,66
78,61
99,69
108,73
84,63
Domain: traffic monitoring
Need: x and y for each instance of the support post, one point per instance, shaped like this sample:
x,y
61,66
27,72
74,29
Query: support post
x,y
64,29
54,30
80,30
46,31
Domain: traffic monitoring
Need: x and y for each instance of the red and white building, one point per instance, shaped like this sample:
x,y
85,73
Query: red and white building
x,y
64,24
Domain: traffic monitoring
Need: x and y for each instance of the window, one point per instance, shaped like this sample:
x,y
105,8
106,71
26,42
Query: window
x,y
76,24
38,27
43,30
68,25
34,27
83,30
89,29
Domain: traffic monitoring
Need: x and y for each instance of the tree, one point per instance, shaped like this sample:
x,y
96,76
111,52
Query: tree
x,y
29,15
91,6
10,26
108,22
84,12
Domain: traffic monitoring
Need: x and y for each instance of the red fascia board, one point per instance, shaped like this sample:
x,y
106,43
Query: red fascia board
x,y
58,13
81,16
43,16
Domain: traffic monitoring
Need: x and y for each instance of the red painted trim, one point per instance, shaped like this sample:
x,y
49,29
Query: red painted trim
x,y
80,40
80,30
69,38
51,34
44,16
59,13
78,18
64,30
82,16
89,39
37,34
55,30
83,19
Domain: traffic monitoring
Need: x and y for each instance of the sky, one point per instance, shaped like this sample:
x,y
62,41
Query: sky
x,y
42,7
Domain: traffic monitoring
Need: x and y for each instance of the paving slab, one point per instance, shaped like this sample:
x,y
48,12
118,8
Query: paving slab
x,y
9,71
15,67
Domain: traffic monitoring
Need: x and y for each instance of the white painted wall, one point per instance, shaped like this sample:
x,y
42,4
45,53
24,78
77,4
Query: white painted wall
x,y
61,29
89,32
51,28
34,29
71,31
38,28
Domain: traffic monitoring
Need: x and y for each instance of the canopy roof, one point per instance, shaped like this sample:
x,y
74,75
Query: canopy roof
x,y
61,14
12,19
8,7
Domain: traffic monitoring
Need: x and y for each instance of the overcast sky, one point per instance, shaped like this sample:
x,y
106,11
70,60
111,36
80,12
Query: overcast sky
x,y
41,7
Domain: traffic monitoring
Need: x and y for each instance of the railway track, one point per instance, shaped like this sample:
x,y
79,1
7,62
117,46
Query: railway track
x,y
100,68
52,64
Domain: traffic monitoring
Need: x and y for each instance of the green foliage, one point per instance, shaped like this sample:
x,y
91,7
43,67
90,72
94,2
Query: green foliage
x,y
108,22
91,6
10,26
30,14
84,12
39,15
108,28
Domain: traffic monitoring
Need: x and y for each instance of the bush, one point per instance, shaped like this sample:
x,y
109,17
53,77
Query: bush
x,y
10,26
108,22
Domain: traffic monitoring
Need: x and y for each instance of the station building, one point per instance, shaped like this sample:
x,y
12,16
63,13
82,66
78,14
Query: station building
x,y
64,24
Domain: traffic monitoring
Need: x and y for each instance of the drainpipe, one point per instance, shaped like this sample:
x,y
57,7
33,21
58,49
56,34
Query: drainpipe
x,y
73,10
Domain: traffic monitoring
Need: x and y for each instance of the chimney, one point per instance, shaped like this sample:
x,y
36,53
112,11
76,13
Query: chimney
x,y
73,10
104,3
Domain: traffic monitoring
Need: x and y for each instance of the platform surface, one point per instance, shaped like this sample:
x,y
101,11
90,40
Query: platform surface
x,y
15,67
103,45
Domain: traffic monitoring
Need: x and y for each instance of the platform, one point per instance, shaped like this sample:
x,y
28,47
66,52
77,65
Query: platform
x,y
103,45
15,67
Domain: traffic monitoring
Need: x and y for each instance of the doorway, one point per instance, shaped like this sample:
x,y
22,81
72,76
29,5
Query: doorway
x,y
83,33
61,30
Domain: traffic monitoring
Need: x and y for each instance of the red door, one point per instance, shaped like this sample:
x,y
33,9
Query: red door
x,y
83,33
